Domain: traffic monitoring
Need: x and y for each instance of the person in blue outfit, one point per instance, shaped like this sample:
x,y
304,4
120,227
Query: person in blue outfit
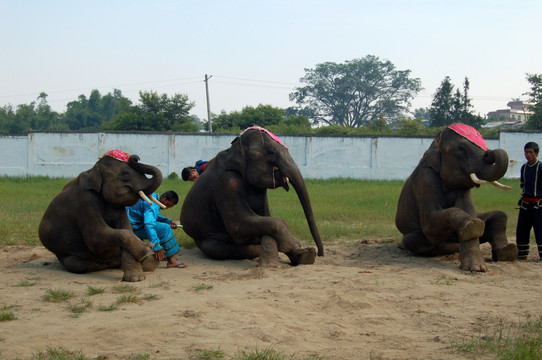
x,y
530,210
147,223
192,173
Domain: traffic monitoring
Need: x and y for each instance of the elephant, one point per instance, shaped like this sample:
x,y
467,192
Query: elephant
x,y
86,225
435,211
226,211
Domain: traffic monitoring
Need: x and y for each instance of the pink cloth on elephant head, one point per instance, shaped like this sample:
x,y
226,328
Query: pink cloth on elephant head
x,y
470,133
118,154
273,136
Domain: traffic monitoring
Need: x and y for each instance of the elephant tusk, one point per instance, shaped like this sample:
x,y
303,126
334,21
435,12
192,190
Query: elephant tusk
x,y
154,200
475,179
286,180
500,186
144,197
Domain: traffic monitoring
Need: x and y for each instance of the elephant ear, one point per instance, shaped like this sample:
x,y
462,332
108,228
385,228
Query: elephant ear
x,y
236,159
92,179
431,157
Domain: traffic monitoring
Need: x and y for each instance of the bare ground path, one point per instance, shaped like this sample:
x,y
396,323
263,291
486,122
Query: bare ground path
x,y
361,301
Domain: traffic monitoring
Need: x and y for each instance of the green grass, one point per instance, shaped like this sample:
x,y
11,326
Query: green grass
x,y
346,210
56,296
6,314
505,341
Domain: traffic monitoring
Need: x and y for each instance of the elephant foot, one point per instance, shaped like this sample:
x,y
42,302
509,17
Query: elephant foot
x,y
305,256
150,263
133,276
470,256
269,253
473,229
507,253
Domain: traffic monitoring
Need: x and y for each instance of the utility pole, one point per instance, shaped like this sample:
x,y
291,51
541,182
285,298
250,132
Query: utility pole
x,y
208,106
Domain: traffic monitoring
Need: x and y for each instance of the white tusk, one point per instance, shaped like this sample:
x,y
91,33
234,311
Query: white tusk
x,y
144,197
500,186
158,202
475,179
286,180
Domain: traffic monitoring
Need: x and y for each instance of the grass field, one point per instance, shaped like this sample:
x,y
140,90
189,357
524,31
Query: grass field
x,y
346,210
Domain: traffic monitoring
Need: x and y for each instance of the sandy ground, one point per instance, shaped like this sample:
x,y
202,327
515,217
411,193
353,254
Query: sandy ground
x,y
368,300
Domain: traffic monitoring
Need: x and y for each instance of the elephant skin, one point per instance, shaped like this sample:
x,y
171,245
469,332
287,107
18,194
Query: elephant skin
x,y
86,225
435,212
226,211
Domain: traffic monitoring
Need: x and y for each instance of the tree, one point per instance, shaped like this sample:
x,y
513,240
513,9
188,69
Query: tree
x,y
355,93
535,120
262,115
447,109
92,113
156,113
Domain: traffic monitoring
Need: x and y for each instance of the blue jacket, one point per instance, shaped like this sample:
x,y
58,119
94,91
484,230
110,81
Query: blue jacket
x,y
145,216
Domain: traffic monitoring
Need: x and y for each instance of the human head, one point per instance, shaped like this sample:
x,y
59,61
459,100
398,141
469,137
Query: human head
x,y
169,198
190,173
531,152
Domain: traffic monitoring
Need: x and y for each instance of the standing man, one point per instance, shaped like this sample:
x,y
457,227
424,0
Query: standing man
x,y
147,223
530,211
192,173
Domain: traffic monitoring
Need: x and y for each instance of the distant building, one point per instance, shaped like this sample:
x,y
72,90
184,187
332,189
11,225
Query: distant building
x,y
517,115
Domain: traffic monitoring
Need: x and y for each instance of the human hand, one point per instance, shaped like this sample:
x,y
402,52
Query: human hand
x,y
173,224
160,254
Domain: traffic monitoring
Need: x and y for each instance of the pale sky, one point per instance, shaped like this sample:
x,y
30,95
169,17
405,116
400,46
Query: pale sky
x,y
256,51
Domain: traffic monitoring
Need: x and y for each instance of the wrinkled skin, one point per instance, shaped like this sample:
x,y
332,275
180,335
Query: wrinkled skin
x,y
86,225
435,212
226,211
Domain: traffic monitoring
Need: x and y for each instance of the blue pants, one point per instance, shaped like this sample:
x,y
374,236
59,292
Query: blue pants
x,y
166,237
530,217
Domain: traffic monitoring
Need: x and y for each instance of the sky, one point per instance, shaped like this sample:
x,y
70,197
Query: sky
x,y
255,52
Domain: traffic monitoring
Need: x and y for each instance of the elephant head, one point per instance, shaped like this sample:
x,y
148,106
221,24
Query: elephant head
x,y
265,163
122,179
461,156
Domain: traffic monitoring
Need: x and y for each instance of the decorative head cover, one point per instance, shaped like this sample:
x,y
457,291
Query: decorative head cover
x,y
470,133
118,154
273,136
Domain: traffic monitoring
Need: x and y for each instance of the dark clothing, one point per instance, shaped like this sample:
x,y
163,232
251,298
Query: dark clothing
x,y
200,166
530,210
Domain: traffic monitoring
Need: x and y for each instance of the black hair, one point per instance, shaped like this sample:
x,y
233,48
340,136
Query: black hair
x,y
171,196
532,145
185,174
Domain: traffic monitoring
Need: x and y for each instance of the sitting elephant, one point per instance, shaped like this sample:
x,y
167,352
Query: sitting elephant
x,y
226,211
86,225
435,212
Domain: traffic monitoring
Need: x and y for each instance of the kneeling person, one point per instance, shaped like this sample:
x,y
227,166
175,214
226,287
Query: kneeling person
x,y
147,223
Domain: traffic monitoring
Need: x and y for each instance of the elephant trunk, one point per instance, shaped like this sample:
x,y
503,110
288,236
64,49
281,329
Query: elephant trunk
x,y
151,184
496,165
296,179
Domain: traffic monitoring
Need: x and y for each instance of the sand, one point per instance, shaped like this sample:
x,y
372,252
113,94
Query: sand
x,y
368,300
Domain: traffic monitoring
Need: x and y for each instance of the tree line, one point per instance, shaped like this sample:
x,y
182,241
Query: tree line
x,y
359,96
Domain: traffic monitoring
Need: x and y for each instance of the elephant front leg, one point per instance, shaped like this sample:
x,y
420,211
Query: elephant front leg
x,y
133,270
269,252
495,234
469,246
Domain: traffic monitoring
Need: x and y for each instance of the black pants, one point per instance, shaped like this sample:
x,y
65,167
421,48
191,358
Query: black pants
x,y
530,217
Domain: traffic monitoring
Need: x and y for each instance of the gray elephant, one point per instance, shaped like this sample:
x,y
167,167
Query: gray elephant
x,y
86,225
435,212
226,211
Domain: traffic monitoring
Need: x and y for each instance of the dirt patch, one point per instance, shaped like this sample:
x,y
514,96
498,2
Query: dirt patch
x,y
361,300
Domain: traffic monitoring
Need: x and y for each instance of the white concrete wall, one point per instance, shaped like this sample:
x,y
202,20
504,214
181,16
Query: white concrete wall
x,y
378,158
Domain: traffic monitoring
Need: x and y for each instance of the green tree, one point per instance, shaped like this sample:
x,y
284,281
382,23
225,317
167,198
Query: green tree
x,y
535,120
156,113
97,110
262,115
36,116
355,93
448,107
